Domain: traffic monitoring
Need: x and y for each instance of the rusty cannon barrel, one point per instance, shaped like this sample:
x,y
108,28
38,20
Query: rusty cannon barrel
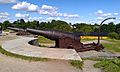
x,y
62,39
16,29
53,34
19,31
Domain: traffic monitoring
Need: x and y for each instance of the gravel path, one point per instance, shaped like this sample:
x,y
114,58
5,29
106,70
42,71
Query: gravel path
x,y
88,66
9,64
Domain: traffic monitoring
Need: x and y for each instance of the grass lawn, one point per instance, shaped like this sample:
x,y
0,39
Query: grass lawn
x,y
114,47
87,39
42,39
109,65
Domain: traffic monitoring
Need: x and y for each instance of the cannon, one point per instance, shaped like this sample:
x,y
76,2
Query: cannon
x,y
64,39
19,31
16,29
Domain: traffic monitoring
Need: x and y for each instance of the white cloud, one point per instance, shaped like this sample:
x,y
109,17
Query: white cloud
x,y
72,16
106,14
32,7
49,8
58,14
55,18
19,15
55,14
35,18
8,1
25,6
116,13
43,12
4,15
100,13
99,18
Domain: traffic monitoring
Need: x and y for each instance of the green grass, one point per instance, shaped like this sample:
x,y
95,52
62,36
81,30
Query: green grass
x,y
7,30
87,39
114,46
95,59
109,65
21,56
42,39
76,63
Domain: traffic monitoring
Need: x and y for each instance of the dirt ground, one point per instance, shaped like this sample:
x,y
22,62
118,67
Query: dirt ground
x,y
10,64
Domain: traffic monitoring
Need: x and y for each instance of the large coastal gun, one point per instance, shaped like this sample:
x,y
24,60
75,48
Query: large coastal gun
x,y
65,40
62,39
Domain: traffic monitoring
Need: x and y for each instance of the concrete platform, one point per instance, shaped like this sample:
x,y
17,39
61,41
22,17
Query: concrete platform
x,y
20,46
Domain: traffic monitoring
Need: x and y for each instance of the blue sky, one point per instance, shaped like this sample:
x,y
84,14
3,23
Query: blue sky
x,y
74,11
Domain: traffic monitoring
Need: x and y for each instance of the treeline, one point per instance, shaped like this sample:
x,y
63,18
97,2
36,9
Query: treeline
x,y
112,28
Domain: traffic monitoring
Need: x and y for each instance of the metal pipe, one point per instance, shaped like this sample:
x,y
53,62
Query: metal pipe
x,y
99,30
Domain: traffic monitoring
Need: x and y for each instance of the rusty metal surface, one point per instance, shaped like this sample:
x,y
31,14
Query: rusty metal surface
x,y
63,39
53,34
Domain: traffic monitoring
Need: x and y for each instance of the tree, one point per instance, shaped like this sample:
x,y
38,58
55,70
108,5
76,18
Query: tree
x,y
83,27
113,35
111,27
5,24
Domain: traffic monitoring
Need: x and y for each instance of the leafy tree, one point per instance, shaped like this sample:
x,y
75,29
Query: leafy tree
x,y
83,27
113,35
5,24
111,27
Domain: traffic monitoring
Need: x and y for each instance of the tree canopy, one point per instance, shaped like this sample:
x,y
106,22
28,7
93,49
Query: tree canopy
x,y
64,26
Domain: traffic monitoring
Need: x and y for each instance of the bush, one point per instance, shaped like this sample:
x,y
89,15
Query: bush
x,y
113,35
109,65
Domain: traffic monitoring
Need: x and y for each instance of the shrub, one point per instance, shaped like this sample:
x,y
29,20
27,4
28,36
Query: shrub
x,y
113,35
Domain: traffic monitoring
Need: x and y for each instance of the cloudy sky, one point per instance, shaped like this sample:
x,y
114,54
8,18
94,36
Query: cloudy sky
x,y
74,11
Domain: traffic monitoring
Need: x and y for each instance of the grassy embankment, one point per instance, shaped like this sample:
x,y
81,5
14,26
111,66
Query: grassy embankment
x,y
44,42
113,47
109,65
42,39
